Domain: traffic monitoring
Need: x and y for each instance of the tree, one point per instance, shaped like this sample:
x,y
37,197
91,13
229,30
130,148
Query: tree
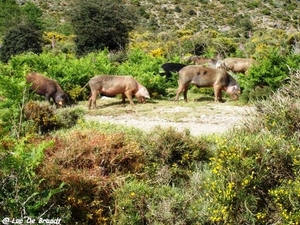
x,y
102,24
25,37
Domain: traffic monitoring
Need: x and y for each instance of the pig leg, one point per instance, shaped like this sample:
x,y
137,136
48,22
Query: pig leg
x,y
47,97
218,93
123,98
128,94
180,89
185,94
92,99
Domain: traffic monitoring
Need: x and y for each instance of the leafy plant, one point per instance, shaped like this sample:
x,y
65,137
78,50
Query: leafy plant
x,y
24,37
175,151
271,71
21,193
100,25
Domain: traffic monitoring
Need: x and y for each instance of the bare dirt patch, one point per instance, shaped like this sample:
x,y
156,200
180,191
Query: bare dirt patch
x,y
198,118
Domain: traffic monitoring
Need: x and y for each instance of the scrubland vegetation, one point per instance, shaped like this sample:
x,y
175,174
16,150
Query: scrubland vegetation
x,y
54,164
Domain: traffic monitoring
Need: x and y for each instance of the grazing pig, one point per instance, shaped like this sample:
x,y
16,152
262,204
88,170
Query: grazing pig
x,y
111,85
207,77
197,60
236,65
206,62
171,67
46,87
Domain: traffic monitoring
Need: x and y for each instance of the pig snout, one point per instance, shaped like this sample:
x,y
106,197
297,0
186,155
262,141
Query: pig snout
x,y
142,94
234,91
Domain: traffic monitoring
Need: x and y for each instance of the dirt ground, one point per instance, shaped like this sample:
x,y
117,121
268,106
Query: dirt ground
x,y
199,117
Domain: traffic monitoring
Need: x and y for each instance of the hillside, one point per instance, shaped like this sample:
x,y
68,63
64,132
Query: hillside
x,y
221,15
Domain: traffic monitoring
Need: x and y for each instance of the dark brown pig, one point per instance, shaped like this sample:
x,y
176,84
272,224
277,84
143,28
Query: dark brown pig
x,y
201,76
47,87
111,85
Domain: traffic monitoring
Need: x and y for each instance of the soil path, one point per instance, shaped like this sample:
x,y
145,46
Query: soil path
x,y
198,119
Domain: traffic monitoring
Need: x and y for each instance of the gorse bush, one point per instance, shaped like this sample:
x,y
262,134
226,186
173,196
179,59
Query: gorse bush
x,y
257,169
172,153
46,117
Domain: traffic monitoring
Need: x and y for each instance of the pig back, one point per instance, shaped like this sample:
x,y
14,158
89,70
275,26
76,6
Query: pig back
x,y
113,85
40,84
202,76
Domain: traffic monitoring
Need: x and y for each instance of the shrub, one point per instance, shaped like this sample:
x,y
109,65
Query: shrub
x,y
271,73
100,25
282,111
252,173
91,164
174,151
21,191
24,37
138,202
46,118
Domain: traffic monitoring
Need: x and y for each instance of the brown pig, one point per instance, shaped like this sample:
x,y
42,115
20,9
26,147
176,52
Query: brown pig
x,y
47,87
111,85
201,76
236,65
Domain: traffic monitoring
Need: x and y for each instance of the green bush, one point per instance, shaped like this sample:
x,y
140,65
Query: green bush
x,y
138,202
174,151
99,25
22,193
255,166
269,74
46,117
24,37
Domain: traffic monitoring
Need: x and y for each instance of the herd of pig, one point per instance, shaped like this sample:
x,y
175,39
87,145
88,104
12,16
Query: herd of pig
x,y
203,72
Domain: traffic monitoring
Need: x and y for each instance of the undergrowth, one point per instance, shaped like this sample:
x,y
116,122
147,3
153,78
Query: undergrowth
x,y
109,174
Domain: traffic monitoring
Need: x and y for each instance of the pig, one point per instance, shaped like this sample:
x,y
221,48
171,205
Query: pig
x,y
47,87
197,60
236,65
111,85
201,76
206,62
171,67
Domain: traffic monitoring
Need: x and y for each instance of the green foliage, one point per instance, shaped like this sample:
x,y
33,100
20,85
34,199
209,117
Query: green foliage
x,y
138,202
24,37
45,118
21,193
99,25
270,73
33,14
21,26
9,13
71,73
175,151
284,120
15,95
